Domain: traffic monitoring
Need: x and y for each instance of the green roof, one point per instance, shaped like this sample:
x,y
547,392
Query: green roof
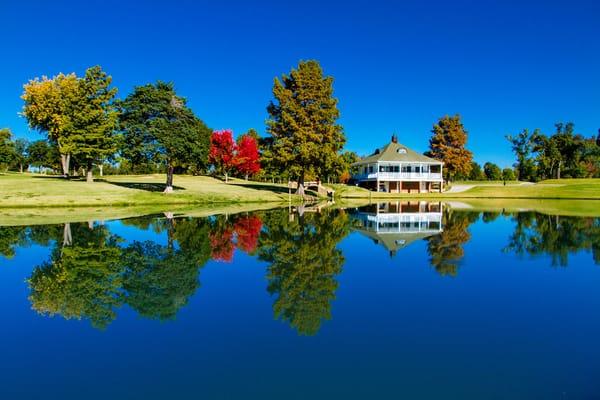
x,y
397,152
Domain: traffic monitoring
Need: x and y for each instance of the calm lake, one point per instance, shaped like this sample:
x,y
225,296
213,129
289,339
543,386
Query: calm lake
x,y
393,300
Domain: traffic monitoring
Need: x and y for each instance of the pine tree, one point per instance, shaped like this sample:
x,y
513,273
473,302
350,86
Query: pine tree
x,y
303,123
447,144
94,119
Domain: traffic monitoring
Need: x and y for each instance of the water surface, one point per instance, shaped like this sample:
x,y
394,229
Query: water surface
x,y
393,300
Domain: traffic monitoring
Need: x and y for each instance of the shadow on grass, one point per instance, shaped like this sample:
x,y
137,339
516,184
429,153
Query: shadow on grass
x,y
263,186
274,188
148,187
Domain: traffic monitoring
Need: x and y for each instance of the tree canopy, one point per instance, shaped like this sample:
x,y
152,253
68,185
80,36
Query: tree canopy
x,y
306,138
448,143
158,126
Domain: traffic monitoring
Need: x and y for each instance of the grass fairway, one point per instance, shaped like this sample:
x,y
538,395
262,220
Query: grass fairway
x,y
573,189
27,190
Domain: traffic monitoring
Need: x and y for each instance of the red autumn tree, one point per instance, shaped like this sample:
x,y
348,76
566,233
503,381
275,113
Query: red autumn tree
x,y
247,157
222,152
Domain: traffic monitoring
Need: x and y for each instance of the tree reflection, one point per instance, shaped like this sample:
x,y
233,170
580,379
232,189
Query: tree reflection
x,y
90,274
446,249
11,237
557,236
82,279
304,265
159,280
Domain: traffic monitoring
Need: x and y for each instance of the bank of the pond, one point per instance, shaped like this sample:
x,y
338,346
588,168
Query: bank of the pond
x,y
573,189
27,190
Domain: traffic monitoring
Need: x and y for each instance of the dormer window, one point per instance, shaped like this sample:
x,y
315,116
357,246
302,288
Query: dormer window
x,y
401,151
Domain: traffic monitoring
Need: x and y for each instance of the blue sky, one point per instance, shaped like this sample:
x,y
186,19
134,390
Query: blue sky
x,y
398,66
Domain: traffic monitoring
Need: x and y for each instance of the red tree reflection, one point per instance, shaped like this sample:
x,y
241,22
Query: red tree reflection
x,y
240,232
247,229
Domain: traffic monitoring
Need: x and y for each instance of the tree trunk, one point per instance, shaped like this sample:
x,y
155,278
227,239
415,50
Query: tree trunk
x,y
300,189
558,170
226,177
101,167
64,162
20,167
89,177
67,238
169,186
246,177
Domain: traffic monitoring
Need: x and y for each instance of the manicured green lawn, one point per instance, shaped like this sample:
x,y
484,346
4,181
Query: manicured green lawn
x,y
29,190
552,189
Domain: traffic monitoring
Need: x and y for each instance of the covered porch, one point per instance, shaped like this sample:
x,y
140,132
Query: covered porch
x,y
403,186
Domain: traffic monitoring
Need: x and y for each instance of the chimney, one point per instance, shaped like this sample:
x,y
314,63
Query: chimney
x,y
394,138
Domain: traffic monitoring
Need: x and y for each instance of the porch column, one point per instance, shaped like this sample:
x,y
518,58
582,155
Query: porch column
x,y
377,177
441,177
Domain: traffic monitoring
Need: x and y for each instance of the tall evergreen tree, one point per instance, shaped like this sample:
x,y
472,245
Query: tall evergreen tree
x,y
448,143
157,125
95,119
303,123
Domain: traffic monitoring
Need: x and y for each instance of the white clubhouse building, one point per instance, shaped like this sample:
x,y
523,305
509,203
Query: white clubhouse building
x,y
397,169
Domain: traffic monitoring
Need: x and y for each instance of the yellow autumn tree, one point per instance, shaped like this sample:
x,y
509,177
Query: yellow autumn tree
x,y
50,104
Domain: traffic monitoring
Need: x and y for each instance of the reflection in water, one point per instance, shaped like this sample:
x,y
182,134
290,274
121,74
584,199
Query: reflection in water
x,y
92,272
536,234
396,225
446,249
304,264
82,279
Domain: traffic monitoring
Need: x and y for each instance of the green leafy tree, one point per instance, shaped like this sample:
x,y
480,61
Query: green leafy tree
x,y
523,145
304,262
476,173
21,157
508,174
492,171
447,144
306,138
77,114
157,126
7,149
344,169
42,154
570,151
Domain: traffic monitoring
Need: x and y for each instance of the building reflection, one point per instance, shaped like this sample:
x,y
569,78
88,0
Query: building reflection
x,y
395,225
